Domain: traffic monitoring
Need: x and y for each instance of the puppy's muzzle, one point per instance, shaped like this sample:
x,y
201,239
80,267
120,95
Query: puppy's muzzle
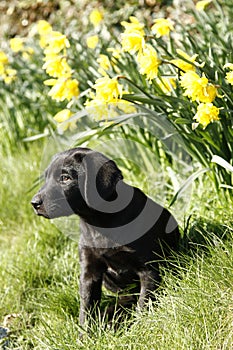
x,y
38,205
36,202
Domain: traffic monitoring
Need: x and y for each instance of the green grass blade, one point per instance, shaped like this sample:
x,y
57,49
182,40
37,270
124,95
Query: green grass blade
x,y
188,182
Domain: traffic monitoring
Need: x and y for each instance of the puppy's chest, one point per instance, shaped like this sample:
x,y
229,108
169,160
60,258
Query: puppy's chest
x,y
116,257
120,259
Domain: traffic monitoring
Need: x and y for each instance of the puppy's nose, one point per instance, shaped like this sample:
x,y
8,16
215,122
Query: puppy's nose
x,y
36,202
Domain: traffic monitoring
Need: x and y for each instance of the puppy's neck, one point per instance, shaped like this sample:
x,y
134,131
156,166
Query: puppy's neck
x,y
122,206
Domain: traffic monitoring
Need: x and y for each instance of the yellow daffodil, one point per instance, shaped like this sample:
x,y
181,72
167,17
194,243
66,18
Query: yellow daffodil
x,y
63,88
3,62
108,89
16,44
183,64
3,58
56,66
133,36
112,112
46,32
206,114
56,42
27,53
197,88
229,75
132,42
133,26
115,52
96,17
208,94
92,41
162,27
148,62
104,62
97,109
126,106
9,76
201,5
43,27
43,41
228,65
2,68
62,118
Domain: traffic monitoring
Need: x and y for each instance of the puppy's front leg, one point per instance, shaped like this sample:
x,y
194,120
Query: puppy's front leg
x,y
149,280
90,283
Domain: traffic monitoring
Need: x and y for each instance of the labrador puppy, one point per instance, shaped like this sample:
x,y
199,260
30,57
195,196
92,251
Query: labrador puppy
x,y
123,233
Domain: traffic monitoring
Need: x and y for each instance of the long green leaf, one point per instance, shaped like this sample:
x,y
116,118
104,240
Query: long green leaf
x,y
187,182
222,162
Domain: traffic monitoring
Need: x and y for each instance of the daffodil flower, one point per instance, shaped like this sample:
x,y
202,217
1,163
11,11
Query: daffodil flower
x,y
3,62
16,44
206,114
43,27
201,5
56,42
63,118
97,109
92,41
108,89
125,106
56,66
96,17
104,62
133,26
184,65
198,88
148,62
229,75
63,88
115,52
9,75
162,27
132,42
3,58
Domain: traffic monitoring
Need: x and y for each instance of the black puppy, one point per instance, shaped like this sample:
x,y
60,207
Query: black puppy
x,y
123,232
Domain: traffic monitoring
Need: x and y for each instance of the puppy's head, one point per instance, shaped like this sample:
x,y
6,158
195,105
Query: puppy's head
x,y
75,181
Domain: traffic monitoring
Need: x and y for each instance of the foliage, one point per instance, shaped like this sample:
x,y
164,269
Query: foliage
x,y
39,278
178,80
26,110
172,77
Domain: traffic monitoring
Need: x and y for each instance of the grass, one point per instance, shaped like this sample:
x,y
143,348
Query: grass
x,y
40,270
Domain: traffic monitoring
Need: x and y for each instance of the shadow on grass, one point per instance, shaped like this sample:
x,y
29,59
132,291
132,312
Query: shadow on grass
x,y
201,234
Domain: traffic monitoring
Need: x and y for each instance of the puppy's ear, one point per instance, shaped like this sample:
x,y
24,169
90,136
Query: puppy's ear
x,y
99,179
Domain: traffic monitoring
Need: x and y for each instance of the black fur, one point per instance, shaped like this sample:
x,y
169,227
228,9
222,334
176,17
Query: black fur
x,y
123,232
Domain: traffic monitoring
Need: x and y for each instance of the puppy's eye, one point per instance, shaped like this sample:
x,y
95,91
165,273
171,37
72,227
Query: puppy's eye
x,y
65,179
